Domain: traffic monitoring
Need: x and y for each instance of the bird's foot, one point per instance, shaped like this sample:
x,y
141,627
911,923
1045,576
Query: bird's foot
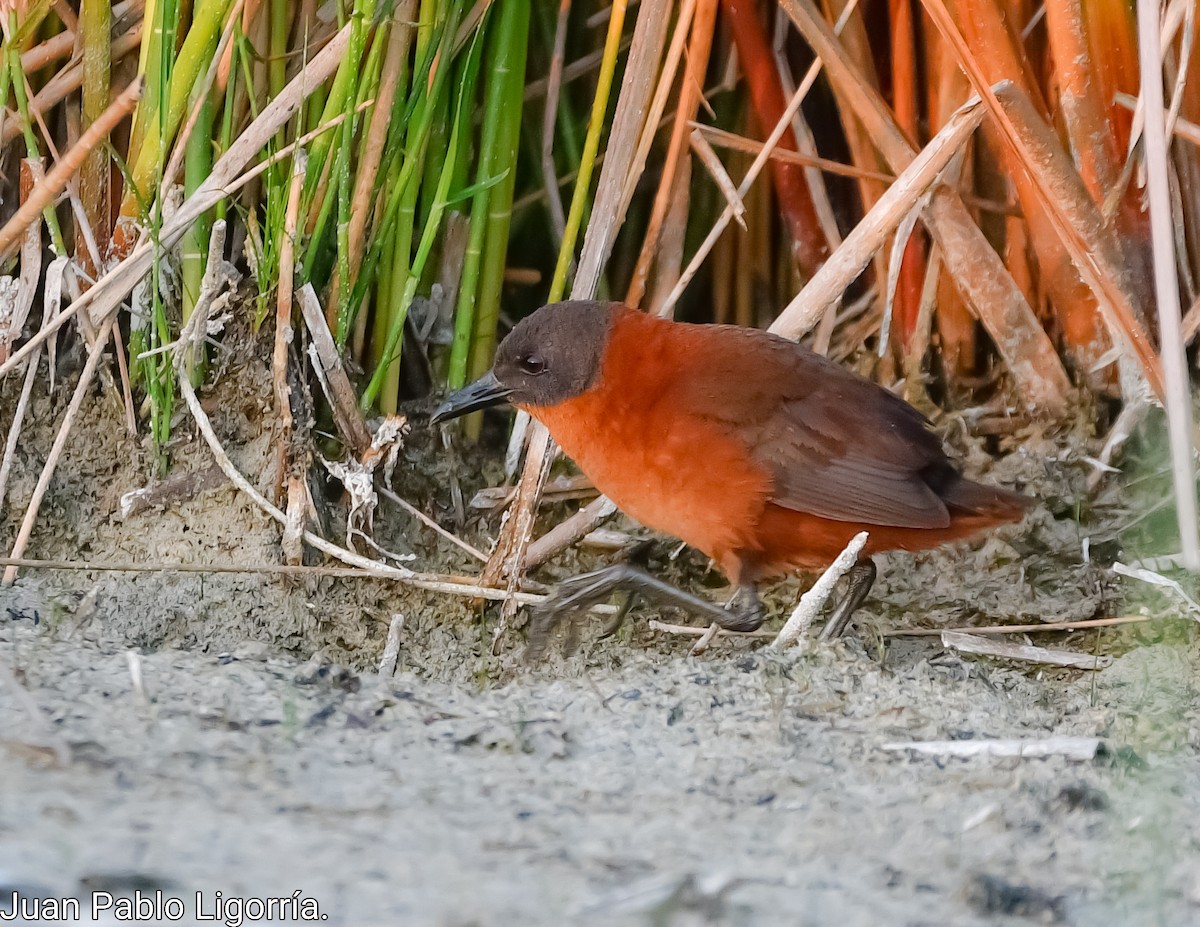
x,y
744,612
574,596
861,578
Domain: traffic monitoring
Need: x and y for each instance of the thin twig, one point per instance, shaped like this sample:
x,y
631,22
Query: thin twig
x,y
34,239
818,594
14,431
692,630
986,647
558,217
1183,128
705,639
717,171
391,650
1057,627
466,584
578,68
430,523
569,531
806,143
658,102
1021,628
722,138
1073,748
1122,429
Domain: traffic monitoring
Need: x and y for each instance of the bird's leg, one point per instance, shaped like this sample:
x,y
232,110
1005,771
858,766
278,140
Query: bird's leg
x,y
861,578
581,592
637,554
613,625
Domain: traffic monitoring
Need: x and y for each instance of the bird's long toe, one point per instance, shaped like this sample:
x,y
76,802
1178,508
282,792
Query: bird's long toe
x,y
578,593
741,623
745,611
541,626
571,599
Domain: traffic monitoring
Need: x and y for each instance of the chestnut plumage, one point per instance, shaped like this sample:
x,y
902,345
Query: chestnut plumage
x,y
748,446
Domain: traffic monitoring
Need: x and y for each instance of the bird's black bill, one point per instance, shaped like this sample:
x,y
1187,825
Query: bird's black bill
x,y
482,394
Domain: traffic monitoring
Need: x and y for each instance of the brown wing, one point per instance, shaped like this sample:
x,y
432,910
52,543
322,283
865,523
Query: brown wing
x,y
836,445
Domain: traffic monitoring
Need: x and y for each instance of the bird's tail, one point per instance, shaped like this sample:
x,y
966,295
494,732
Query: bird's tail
x,y
987,502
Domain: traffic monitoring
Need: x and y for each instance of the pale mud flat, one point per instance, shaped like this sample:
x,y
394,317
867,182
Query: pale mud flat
x,y
738,789
632,784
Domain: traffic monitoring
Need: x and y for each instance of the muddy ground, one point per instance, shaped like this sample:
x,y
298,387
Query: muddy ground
x,y
247,747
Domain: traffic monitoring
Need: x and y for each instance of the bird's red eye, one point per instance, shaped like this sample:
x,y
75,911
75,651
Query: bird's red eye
x,y
532,364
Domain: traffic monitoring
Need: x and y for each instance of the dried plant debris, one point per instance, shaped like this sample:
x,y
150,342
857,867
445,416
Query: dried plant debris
x,y
358,479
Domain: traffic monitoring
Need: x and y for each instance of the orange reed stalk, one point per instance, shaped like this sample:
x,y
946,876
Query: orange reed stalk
x,y
809,247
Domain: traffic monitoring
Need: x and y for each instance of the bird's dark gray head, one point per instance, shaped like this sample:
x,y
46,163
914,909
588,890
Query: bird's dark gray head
x,y
550,357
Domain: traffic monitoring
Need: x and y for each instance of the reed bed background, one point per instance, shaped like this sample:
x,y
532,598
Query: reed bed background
x,y
990,205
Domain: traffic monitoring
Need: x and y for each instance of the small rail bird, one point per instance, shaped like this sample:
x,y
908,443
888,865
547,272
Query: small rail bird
x,y
750,447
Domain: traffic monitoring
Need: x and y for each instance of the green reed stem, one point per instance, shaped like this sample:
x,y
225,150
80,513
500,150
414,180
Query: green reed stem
x,y
478,298
458,134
